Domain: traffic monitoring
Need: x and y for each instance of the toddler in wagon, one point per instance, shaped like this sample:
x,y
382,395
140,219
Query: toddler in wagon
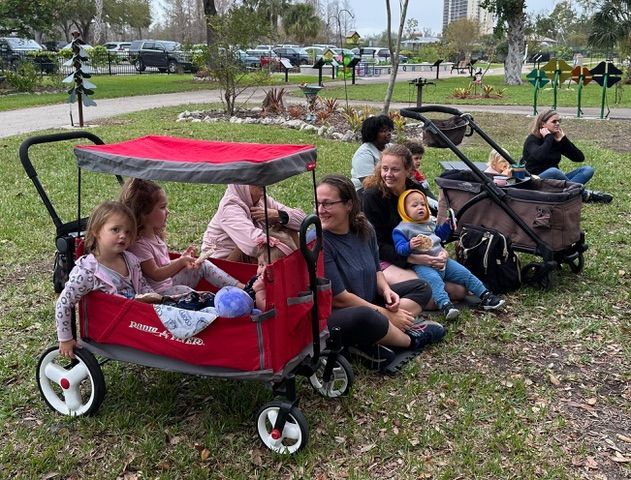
x,y
106,267
417,233
147,200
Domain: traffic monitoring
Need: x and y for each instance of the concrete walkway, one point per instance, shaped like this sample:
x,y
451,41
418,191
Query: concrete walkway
x,y
14,122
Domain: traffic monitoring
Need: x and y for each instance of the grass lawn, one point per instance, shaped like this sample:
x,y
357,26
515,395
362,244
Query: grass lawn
x,y
117,86
442,93
539,391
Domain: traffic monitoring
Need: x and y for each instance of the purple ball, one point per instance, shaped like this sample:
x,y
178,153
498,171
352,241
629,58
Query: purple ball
x,y
232,302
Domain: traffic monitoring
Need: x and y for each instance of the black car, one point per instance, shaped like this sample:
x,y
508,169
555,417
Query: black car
x,y
162,54
15,50
297,56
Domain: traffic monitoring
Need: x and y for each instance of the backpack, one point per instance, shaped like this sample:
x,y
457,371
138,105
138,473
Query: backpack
x,y
489,255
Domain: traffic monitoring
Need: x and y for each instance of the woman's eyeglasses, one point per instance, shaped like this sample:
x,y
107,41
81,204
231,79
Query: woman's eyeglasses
x,y
555,121
327,205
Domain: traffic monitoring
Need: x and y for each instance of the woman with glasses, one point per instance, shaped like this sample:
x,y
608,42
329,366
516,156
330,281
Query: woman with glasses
x,y
238,227
383,188
376,135
543,150
375,318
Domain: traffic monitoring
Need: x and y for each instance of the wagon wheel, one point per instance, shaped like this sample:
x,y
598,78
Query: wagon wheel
x,y
341,381
295,434
576,263
75,387
538,275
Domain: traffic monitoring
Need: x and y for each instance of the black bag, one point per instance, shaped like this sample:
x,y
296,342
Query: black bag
x,y
489,255
453,127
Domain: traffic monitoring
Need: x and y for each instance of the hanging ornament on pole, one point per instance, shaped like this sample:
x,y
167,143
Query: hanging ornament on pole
x,y
82,88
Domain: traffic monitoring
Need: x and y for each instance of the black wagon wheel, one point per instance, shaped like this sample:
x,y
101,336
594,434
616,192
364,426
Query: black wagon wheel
x,y
538,275
294,435
71,387
341,380
576,262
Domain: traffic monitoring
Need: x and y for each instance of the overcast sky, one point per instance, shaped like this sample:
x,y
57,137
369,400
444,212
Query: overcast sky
x,y
370,15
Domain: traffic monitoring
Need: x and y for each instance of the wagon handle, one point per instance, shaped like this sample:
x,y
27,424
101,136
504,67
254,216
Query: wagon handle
x,y
311,257
415,112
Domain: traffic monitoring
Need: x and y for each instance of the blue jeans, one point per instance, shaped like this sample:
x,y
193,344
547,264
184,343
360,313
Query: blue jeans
x,y
455,273
579,175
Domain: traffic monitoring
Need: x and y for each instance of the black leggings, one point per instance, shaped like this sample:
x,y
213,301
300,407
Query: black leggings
x,y
364,326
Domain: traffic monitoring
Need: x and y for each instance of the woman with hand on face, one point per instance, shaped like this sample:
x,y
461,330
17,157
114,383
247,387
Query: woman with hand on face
x,y
389,180
371,314
543,150
238,228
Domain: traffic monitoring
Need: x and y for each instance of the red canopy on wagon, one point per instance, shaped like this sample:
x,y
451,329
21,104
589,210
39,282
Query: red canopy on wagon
x,y
175,159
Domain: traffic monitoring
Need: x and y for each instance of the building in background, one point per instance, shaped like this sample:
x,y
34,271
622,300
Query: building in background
x,y
470,9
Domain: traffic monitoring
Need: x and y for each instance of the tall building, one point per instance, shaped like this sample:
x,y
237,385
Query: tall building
x,y
470,9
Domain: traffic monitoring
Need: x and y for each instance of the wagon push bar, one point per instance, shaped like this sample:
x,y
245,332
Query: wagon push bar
x,y
492,190
62,228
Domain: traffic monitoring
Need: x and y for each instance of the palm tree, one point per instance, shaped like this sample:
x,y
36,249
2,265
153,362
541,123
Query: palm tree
x,y
301,22
611,27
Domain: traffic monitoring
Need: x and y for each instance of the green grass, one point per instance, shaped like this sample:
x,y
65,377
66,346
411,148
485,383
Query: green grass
x,y
117,86
479,405
442,93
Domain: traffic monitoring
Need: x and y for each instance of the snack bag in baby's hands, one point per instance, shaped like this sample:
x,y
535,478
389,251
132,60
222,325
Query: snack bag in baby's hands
x,y
426,242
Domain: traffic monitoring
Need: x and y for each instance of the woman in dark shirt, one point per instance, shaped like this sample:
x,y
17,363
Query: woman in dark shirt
x,y
383,188
371,314
543,150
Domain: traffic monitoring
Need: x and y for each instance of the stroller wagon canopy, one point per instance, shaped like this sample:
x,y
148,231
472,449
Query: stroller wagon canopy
x,y
175,159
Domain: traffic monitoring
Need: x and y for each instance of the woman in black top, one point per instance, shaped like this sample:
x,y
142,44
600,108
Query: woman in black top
x,y
543,150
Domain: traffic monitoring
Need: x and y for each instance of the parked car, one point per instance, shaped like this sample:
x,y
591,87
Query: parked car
x,y
161,54
14,50
249,61
118,48
383,55
273,62
297,56
314,53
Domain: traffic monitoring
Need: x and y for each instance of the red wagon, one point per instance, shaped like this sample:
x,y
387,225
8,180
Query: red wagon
x,y
283,341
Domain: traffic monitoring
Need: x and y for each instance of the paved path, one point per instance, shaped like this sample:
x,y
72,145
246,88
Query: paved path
x,y
34,119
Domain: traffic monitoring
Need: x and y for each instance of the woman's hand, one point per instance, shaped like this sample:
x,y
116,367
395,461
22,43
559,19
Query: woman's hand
x,y
258,215
543,131
402,319
392,300
559,134
434,261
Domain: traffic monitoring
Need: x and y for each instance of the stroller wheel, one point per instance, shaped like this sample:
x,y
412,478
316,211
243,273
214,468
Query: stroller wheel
x,y
576,262
341,378
295,432
71,387
539,274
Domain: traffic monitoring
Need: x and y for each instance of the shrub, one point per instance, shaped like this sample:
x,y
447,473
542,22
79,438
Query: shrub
x,y
98,56
273,101
500,92
399,125
354,118
329,104
487,90
461,92
322,116
25,78
296,111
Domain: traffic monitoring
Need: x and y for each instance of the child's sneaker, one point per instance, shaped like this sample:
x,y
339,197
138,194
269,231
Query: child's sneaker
x,y
490,301
374,357
450,312
425,333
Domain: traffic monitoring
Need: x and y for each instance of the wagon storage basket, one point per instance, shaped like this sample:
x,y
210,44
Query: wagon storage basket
x,y
551,208
453,127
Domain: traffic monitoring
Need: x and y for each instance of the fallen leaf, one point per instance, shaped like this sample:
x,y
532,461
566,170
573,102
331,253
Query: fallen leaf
x,y
591,463
367,448
624,438
50,475
553,380
591,401
204,454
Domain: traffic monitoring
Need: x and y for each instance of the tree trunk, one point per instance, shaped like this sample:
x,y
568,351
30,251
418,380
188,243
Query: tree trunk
x,y
394,52
516,50
209,11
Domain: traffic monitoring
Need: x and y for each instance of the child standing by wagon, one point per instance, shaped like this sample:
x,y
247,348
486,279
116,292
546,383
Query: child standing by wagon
x,y
106,267
148,202
418,233
418,150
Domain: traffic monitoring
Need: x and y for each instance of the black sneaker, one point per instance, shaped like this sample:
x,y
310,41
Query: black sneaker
x,y
491,302
593,196
374,357
450,312
425,333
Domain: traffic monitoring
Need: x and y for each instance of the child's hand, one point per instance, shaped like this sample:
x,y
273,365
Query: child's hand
x,y
187,262
391,299
189,252
66,349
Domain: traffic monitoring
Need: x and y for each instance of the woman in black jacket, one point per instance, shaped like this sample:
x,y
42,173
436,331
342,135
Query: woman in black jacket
x,y
543,150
